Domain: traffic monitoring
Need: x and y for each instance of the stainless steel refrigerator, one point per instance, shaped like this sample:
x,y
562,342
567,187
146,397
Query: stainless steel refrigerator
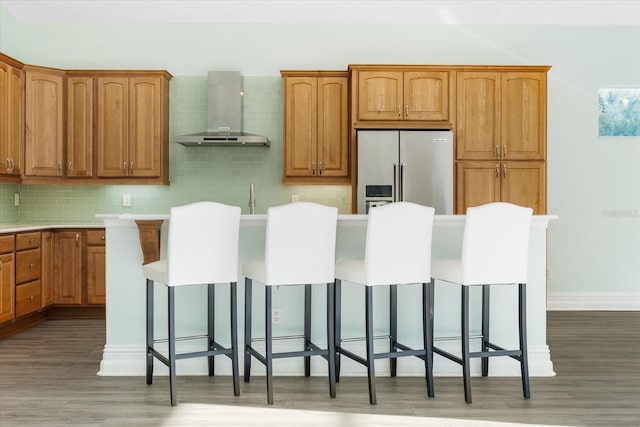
x,y
405,165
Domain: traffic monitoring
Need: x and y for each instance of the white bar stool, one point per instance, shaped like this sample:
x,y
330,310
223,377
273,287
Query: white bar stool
x,y
495,251
397,252
299,250
202,250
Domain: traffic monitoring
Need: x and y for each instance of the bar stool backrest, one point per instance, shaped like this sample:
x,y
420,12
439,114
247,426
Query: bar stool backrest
x,y
300,245
495,246
202,244
398,245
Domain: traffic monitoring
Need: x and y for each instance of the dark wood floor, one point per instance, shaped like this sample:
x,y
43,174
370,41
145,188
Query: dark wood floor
x,y
48,378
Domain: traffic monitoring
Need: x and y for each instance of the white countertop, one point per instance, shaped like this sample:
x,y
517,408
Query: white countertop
x,y
32,226
343,220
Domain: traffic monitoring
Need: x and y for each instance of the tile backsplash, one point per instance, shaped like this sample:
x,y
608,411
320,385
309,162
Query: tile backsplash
x,y
197,173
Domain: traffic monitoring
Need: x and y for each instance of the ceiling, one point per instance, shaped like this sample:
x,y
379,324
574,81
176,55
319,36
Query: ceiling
x,y
328,11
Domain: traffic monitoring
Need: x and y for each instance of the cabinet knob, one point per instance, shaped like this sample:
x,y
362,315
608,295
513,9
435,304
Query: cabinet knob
x,y
31,265
399,111
124,167
69,168
406,109
102,237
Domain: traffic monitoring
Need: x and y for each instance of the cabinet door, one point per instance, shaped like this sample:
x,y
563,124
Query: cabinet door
x,y
68,267
112,139
11,120
145,127
47,274
7,287
380,95
43,123
524,125
96,275
478,115
301,126
524,183
79,127
477,183
333,116
426,95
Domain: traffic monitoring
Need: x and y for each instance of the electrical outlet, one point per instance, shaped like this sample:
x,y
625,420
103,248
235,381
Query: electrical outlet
x,y
295,198
276,314
126,200
16,199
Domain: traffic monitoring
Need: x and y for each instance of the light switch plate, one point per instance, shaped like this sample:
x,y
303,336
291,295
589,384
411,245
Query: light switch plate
x,y
126,200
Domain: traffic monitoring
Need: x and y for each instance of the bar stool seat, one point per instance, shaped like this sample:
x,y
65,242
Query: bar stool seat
x,y
202,250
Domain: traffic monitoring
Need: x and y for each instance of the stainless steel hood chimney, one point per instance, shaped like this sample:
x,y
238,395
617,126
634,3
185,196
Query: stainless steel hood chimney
x,y
224,127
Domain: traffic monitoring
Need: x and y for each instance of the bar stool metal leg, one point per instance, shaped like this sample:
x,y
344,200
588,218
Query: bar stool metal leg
x,y
268,336
149,331
331,344
307,328
247,329
172,345
233,291
485,328
369,339
393,327
427,322
466,367
522,321
337,324
211,316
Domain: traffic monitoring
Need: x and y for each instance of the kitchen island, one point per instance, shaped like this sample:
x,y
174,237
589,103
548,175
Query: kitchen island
x,y
124,351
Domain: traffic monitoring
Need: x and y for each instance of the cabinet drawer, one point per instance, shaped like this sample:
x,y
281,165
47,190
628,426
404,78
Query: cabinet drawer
x,y
28,265
27,241
96,237
27,298
7,243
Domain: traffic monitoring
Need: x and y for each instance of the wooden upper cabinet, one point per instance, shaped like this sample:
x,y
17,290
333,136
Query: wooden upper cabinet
x,y
132,127
145,126
79,127
316,143
396,95
524,124
112,126
501,115
11,119
478,115
380,95
44,117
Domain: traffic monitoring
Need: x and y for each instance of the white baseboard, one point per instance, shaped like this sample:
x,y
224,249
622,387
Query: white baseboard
x,y
595,301
130,361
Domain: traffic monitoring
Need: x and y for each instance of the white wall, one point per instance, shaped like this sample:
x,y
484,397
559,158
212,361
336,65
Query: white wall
x,y
593,183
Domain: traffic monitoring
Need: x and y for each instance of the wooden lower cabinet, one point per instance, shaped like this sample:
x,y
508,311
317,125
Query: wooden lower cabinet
x,y
96,267
521,183
69,248
27,278
27,298
7,286
47,272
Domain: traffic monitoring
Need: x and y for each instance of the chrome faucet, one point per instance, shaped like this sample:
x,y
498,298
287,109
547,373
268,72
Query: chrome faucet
x,y
252,198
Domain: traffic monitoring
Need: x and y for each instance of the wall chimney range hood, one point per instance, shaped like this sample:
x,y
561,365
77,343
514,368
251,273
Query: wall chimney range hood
x,y
224,115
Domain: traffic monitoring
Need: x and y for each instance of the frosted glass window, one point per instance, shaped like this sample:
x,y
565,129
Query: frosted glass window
x,y
619,112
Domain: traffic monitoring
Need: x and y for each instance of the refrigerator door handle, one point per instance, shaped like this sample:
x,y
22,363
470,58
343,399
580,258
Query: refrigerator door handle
x,y
402,166
395,182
